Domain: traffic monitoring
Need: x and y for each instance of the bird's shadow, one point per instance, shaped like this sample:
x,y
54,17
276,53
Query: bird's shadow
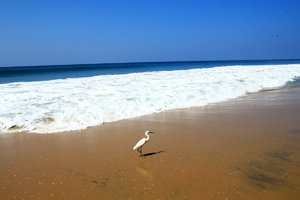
x,y
151,154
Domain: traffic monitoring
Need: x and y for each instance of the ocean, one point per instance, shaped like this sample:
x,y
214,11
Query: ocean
x,y
48,99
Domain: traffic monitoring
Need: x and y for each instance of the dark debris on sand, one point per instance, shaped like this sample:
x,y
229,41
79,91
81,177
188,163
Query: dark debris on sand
x,y
267,171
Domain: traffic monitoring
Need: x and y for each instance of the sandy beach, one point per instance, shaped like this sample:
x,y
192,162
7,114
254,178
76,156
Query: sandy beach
x,y
246,148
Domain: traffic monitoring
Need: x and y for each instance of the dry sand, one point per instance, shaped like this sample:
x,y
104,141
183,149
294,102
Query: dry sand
x,y
247,148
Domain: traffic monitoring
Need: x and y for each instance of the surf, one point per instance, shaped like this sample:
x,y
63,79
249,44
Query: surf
x,y
77,103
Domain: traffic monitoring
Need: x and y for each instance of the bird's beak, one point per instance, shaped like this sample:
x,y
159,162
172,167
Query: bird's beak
x,y
151,132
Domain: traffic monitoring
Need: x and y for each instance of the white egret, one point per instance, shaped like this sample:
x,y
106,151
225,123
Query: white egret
x,y
141,143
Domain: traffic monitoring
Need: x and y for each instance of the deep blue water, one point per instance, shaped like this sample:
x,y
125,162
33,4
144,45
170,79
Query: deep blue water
x,y
50,72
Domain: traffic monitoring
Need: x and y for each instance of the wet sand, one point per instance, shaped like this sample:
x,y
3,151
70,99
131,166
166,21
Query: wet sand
x,y
247,148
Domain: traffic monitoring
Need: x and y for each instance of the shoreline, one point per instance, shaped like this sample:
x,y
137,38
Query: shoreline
x,y
156,113
244,148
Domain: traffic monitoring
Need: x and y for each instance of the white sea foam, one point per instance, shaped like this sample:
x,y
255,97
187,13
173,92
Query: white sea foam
x,y
77,103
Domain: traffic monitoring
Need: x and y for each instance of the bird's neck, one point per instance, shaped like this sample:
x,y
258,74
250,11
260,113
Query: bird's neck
x,y
148,137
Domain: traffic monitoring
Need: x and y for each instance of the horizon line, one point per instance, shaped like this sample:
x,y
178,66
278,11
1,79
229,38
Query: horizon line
x,y
135,62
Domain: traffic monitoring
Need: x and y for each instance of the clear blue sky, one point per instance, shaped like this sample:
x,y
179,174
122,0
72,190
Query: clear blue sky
x,y
67,32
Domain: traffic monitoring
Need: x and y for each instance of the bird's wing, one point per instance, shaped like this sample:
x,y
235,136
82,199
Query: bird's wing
x,y
139,144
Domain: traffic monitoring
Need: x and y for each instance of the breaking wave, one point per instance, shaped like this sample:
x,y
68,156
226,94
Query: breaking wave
x,y
77,103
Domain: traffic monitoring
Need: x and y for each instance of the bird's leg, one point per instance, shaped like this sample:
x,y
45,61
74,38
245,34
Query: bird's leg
x,y
140,150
